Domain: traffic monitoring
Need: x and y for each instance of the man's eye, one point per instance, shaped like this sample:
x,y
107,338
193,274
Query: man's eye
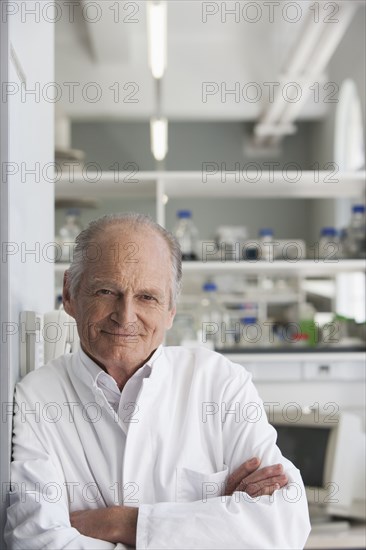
x,y
104,292
148,298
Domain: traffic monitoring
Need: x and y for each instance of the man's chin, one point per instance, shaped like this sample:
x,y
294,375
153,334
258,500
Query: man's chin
x,y
113,354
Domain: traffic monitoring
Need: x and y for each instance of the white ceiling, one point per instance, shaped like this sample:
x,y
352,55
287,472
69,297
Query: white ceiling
x,y
107,52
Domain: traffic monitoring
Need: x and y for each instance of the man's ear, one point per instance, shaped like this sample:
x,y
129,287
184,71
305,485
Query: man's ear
x,y
66,296
172,312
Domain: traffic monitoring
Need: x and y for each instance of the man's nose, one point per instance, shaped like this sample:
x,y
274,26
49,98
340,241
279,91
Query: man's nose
x,y
125,311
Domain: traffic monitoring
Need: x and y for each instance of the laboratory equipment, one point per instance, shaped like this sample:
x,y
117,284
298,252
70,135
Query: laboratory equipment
x,y
320,446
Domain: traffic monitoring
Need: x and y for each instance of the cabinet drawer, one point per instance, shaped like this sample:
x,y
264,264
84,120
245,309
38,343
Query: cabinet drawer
x,y
334,370
274,371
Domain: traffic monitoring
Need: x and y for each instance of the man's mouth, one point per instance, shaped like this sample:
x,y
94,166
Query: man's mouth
x,y
120,334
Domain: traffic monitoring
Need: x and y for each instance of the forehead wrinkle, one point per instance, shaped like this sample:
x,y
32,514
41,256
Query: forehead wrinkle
x,y
126,282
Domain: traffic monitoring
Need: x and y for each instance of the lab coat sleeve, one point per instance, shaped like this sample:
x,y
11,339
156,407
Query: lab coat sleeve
x,y
38,515
280,521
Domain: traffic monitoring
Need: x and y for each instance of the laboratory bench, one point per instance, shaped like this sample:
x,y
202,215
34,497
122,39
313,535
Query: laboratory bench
x,y
333,537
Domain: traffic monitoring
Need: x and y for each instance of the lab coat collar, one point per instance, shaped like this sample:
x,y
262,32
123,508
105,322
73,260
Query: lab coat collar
x,y
91,372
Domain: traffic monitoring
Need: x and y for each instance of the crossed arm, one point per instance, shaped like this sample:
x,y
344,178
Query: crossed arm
x,y
119,523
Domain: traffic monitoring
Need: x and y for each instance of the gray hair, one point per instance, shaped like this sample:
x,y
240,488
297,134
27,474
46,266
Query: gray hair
x,y
135,221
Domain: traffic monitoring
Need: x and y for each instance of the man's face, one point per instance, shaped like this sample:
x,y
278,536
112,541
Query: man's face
x,y
122,305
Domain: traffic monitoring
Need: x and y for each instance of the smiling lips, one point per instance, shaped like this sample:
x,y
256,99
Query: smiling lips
x,y
117,334
120,334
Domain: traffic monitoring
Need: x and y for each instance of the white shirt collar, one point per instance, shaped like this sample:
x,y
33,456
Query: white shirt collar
x,y
105,382
95,370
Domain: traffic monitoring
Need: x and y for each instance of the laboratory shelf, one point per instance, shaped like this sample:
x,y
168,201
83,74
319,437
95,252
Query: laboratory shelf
x,y
306,268
302,268
216,184
264,184
249,295
106,185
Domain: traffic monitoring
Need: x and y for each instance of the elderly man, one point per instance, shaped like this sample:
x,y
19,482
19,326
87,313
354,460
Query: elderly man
x,y
130,443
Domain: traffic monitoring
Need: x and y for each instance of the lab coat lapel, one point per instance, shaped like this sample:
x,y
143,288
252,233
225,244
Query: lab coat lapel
x,y
140,475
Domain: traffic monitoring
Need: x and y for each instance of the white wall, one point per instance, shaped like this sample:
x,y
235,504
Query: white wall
x,y
349,61
27,51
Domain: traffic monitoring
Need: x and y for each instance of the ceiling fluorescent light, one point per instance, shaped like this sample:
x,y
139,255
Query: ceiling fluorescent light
x,y
157,36
311,54
159,137
274,129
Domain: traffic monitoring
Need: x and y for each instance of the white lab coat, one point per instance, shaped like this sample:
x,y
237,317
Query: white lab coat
x,y
197,417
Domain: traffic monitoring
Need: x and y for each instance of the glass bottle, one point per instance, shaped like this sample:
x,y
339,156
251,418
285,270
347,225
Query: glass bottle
x,y
307,325
266,244
249,334
186,233
210,317
356,233
329,247
67,235
343,238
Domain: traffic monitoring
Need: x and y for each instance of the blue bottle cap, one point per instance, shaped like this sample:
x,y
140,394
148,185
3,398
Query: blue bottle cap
x,y
209,287
358,208
266,232
184,214
248,320
328,232
73,212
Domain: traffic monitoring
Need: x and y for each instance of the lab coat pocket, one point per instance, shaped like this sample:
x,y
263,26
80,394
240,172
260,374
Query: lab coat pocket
x,y
193,485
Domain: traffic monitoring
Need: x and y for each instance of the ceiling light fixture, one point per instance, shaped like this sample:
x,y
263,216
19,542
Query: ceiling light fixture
x,y
159,137
157,36
274,129
310,57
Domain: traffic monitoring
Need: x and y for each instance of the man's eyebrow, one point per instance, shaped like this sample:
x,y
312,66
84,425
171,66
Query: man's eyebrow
x,y
153,291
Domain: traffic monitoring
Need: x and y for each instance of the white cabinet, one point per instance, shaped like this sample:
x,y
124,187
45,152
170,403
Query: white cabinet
x,y
319,367
340,369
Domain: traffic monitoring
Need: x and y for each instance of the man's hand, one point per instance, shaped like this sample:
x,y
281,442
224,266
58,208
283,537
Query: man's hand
x,y
113,524
254,481
119,523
